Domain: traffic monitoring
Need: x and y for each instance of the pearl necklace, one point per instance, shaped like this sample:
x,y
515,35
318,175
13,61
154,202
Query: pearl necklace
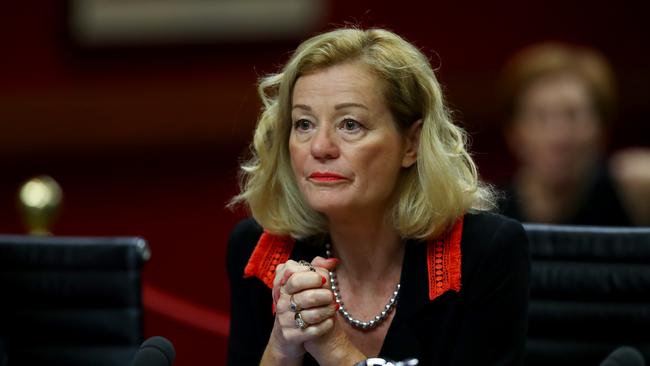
x,y
374,322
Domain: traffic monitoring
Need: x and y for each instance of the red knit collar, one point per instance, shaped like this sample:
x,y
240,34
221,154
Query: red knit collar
x,y
443,259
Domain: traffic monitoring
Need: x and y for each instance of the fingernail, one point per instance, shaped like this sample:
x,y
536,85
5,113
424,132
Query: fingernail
x,y
337,306
324,280
335,260
273,308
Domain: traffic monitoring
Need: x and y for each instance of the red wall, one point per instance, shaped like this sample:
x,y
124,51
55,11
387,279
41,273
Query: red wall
x,y
145,141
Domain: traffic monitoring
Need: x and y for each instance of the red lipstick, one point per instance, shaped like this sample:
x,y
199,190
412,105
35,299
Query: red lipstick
x,y
326,177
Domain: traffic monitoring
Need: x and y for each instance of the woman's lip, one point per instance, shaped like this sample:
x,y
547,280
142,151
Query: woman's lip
x,y
326,177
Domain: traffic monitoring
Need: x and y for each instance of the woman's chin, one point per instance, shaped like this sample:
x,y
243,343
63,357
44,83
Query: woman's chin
x,y
329,209
333,209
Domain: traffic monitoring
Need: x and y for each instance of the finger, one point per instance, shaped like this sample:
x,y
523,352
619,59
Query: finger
x,y
296,335
319,314
300,281
314,331
290,267
325,266
285,276
282,271
275,291
313,298
327,263
276,296
279,269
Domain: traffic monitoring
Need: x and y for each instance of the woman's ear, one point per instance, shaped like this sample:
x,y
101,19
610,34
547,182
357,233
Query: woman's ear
x,y
412,144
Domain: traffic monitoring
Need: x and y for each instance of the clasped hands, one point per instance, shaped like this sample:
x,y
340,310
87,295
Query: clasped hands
x,y
305,310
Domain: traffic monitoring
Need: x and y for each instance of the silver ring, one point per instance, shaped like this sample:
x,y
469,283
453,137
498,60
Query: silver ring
x,y
307,264
293,306
300,323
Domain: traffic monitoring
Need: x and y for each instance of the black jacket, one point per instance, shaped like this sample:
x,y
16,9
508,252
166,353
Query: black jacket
x,y
482,324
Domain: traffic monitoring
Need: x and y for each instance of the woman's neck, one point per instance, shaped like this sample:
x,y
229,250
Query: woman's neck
x,y
369,249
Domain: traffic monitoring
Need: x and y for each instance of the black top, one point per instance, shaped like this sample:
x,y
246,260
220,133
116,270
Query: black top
x,y
598,205
483,324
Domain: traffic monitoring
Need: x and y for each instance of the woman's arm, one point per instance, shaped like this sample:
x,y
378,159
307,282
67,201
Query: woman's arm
x,y
493,331
251,318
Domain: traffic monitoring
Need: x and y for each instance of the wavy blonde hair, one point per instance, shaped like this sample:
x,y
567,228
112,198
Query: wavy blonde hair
x,y
440,187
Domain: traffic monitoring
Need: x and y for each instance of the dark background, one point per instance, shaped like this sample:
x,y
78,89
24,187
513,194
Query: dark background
x,y
145,140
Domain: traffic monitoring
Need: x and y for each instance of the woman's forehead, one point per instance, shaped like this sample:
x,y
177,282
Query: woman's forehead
x,y
348,83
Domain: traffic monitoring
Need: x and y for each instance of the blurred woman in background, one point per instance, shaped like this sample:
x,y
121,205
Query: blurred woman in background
x,y
559,102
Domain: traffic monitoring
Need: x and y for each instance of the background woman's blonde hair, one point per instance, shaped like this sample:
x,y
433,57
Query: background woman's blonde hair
x,y
433,193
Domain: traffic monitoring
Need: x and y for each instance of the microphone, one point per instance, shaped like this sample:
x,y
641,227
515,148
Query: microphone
x,y
155,351
624,356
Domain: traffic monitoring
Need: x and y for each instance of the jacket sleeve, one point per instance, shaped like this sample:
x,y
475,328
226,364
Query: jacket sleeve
x,y
251,318
493,331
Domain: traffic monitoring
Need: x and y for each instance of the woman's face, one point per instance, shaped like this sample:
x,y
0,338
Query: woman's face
x,y
556,132
346,151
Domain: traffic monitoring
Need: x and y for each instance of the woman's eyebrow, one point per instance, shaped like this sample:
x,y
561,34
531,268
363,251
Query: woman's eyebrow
x,y
346,105
338,106
301,106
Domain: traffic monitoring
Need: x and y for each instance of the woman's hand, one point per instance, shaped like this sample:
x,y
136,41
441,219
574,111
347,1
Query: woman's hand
x,y
332,347
310,292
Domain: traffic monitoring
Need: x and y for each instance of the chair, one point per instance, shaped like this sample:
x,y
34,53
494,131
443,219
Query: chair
x,y
71,300
590,293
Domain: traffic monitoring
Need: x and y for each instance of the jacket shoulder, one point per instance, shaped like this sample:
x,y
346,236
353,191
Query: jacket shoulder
x,y
493,241
485,227
241,244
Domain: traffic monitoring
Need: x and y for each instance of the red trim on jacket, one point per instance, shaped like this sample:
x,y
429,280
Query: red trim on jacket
x,y
443,262
270,251
443,259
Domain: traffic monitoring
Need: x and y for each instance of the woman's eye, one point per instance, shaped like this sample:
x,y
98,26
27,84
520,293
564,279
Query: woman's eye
x,y
302,125
350,125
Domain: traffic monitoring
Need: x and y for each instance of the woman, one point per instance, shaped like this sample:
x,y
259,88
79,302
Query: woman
x,y
559,103
358,172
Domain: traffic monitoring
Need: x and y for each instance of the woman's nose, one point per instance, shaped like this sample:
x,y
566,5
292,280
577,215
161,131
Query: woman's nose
x,y
323,145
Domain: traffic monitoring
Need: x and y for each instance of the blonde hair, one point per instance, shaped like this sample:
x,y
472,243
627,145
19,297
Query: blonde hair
x,y
440,187
535,61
